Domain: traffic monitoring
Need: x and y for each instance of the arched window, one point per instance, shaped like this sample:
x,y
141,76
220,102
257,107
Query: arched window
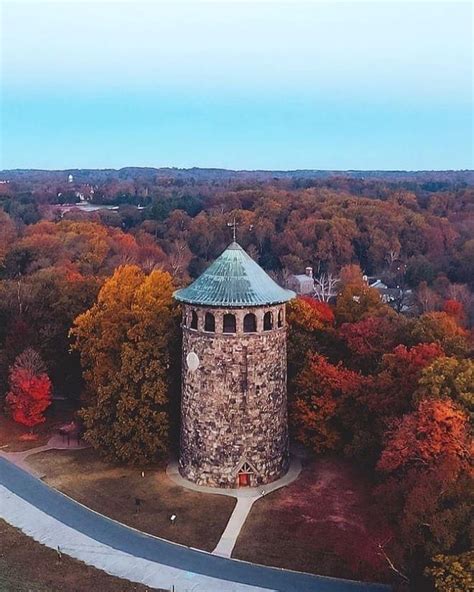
x,y
194,320
280,318
267,321
229,325
250,323
209,322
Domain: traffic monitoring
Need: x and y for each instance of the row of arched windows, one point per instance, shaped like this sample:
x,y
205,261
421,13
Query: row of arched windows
x,y
229,323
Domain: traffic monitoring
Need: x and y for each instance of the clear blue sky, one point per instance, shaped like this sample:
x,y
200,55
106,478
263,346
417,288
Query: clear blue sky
x,y
327,85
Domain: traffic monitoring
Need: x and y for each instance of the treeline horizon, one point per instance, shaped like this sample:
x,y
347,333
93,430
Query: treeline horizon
x,y
447,175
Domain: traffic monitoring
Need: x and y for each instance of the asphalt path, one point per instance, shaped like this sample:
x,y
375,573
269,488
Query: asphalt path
x,y
128,540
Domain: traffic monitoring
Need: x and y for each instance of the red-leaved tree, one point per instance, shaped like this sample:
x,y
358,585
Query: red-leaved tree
x,y
372,337
322,388
30,389
393,387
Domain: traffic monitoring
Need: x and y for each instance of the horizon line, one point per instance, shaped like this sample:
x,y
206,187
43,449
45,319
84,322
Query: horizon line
x,y
238,170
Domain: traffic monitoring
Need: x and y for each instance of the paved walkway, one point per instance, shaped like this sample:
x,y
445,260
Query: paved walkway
x,y
56,442
56,520
246,497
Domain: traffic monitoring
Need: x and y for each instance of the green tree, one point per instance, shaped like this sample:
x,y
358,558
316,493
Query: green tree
x,y
448,378
128,345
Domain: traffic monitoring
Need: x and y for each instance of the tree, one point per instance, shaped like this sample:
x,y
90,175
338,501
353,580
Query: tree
x,y
351,275
441,328
372,337
7,234
357,301
30,389
321,388
448,379
308,321
393,388
128,346
325,286
428,485
455,309
436,429
452,573
426,298
310,313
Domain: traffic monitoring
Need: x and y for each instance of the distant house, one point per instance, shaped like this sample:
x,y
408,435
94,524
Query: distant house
x,y
302,284
400,299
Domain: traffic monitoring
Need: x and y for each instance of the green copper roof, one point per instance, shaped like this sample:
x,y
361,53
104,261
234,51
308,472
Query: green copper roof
x,y
234,279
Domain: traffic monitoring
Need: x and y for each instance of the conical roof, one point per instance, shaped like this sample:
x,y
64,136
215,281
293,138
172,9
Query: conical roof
x,y
234,279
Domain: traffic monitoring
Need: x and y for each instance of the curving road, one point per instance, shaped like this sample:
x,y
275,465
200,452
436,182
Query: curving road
x,y
161,552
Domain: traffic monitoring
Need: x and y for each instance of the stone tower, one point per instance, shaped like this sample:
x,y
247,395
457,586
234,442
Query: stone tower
x,y
234,428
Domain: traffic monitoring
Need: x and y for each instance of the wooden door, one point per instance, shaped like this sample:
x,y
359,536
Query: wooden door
x,y
244,480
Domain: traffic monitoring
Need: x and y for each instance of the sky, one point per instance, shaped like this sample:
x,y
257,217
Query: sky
x,y
240,85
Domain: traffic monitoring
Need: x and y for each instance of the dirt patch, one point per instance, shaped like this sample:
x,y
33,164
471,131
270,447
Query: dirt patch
x,y
324,523
113,490
27,566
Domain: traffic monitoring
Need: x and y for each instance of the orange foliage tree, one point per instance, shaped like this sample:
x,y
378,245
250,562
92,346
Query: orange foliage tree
x,y
357,301
427,483
436,429
455,309
309,324
128,342
444,329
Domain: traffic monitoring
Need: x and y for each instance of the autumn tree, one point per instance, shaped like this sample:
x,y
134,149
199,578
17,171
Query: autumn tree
x,y
393,387
455,309
321,388
351,275
30,389
441,328
384,396
434,430
452,573
357,301
427,486
310,325
372,337
127,343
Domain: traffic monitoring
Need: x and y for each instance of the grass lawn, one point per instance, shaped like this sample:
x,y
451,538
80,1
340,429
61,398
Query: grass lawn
x,y
12,432
322,523
112,489
27,566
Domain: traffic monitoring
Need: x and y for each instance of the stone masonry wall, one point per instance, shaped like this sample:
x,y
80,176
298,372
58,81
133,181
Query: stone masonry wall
x,y
234,405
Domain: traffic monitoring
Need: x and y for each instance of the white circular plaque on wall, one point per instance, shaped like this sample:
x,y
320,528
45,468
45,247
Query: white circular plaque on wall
x,y
192,361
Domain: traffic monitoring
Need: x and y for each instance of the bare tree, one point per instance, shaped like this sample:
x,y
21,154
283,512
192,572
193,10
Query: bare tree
x,y
391,564
427,299
179,257
325,286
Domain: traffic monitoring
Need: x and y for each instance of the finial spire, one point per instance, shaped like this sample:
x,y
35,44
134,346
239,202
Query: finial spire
x,y
234,225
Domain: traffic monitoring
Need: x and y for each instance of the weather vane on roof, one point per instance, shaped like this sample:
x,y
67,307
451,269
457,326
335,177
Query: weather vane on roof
x,y
233,225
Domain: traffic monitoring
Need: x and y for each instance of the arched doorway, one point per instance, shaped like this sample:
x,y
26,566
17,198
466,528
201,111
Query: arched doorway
x,y
245,475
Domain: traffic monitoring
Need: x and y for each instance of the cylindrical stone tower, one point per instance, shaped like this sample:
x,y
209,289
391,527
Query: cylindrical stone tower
x,y
234,429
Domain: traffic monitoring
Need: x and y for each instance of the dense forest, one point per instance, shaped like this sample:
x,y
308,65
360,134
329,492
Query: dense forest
x,y
80,289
